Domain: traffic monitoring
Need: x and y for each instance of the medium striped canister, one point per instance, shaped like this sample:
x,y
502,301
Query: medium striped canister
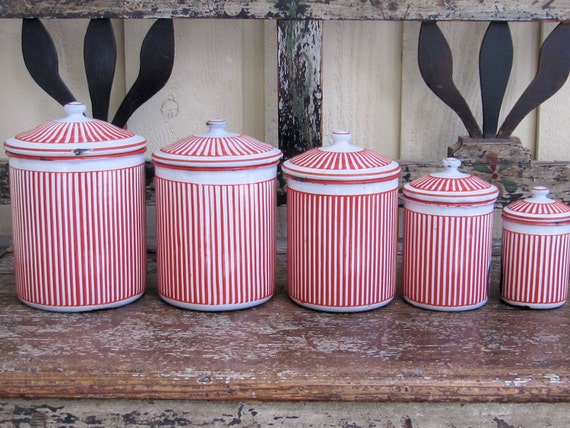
x,y
77,188
215,220
536,251
342,214
448,225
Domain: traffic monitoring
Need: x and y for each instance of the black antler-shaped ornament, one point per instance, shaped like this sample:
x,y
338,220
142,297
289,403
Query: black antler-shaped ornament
x,y
495,63
100,55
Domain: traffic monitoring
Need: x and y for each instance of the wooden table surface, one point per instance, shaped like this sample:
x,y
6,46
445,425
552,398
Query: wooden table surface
x,y
281,351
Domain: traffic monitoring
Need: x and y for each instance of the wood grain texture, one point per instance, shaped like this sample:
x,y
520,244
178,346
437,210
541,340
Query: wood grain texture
x,y
361,76
47,413
280,351
511,10
299,89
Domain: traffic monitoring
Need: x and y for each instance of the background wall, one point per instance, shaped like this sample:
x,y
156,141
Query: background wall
x,y
228,68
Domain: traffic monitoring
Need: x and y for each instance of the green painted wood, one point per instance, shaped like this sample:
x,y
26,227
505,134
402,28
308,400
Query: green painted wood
x,y
299,88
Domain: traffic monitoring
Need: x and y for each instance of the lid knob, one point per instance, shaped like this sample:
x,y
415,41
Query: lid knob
x,y
216,127
450,169
341,137
75,108
539,195
341,143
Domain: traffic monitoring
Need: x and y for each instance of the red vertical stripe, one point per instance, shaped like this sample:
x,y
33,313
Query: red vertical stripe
x,y
340,248
446,259
215,243
65,254
535,268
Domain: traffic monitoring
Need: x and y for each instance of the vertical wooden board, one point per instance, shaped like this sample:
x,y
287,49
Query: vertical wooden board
x,y
299,91
362,83
429,127
553,124
206,80
271,78
299,88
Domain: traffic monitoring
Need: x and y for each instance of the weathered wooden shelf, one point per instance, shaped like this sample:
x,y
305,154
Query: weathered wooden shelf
x,y
483,10
280,351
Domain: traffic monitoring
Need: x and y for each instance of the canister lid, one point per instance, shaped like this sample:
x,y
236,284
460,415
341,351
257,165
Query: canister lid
x,y
451,187
341,161
74,136
218,149
538,209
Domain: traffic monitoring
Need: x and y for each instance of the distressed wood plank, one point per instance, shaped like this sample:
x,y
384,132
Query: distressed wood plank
x,y
507,165
281,351
168,413
484,10
299,88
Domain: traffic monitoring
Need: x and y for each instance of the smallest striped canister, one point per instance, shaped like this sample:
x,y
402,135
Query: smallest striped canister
x,y
536,251
216,201
448,224
342,219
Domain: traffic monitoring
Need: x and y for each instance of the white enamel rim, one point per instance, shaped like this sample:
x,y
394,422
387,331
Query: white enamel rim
x,y
214,308
227,162
534,305
72,150
446,308
342,309
345,175
78,308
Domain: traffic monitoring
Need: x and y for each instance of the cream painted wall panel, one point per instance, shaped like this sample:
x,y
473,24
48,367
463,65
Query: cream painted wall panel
x,y
361,83
429,127
207,80
25,104
554,121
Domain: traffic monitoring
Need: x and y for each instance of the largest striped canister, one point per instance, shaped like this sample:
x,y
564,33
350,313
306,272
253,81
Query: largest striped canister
x,y
448,226
342,219
536,251
77,188
215,220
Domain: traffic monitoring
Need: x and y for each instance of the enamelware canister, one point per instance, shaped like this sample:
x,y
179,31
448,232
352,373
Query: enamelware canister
x,y
215,213
448,223
536,251
77,188
342,214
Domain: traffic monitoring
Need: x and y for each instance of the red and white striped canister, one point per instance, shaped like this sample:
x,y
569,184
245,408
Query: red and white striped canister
x,y
215,214
77,188
448,226
536,251
342,214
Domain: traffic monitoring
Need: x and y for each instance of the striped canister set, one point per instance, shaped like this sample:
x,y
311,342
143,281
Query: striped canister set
x,y
78,211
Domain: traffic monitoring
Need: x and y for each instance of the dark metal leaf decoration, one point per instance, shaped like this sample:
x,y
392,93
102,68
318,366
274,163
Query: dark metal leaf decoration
x,y
156,62
552,73
495,64
40,57
100,57
436,66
